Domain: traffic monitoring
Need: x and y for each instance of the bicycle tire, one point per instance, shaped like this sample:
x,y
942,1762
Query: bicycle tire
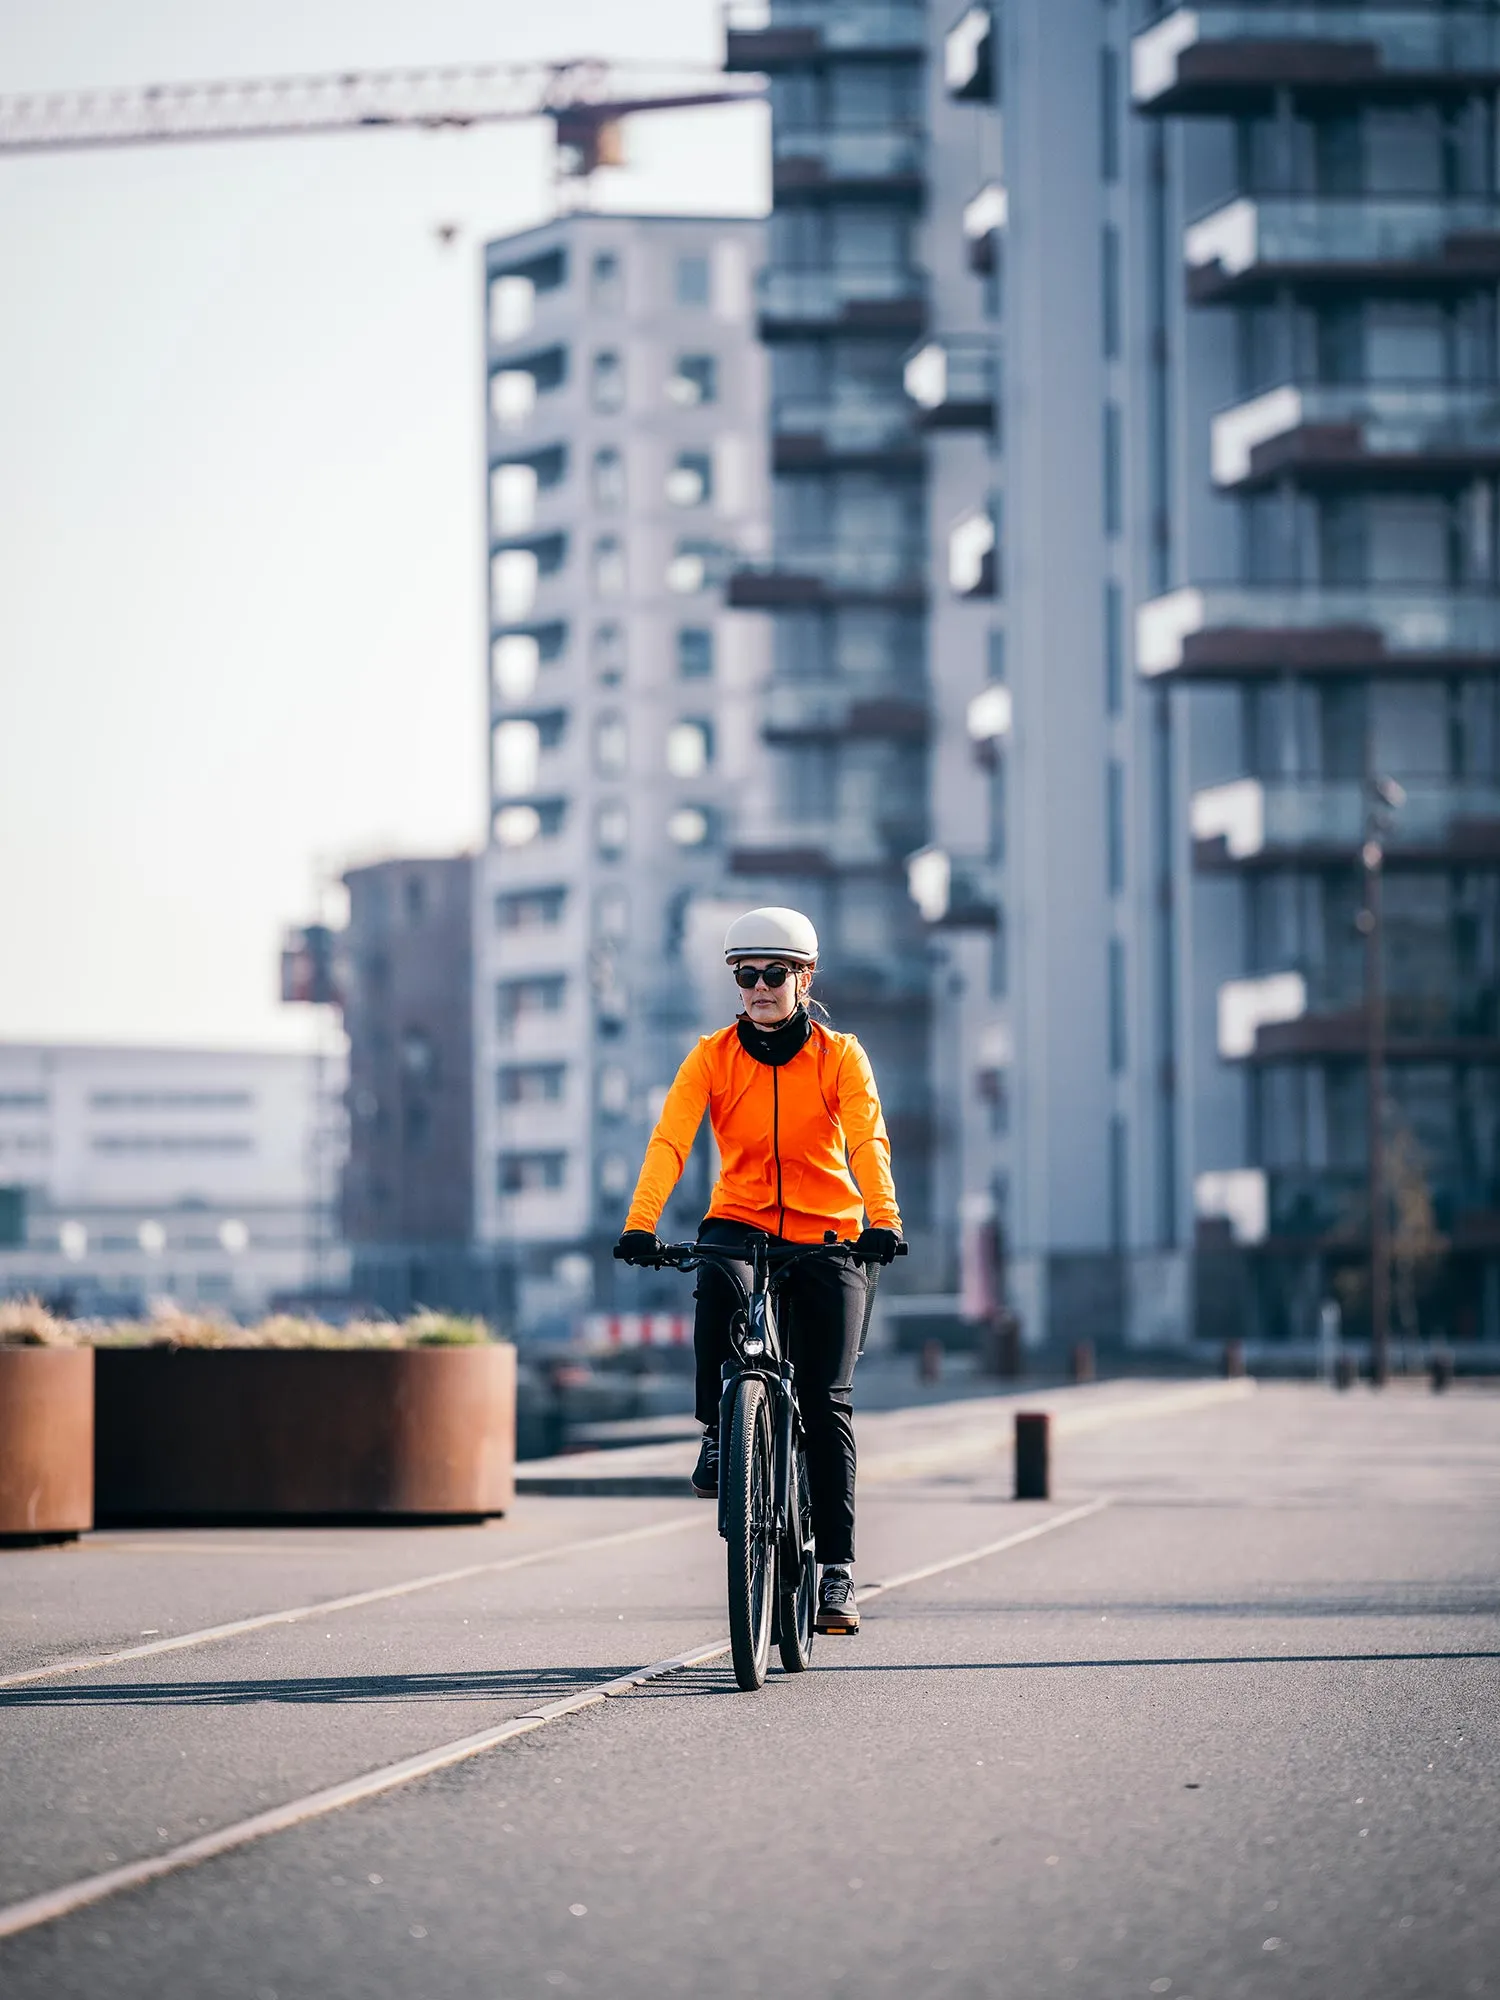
x,y
749,1519
796,1607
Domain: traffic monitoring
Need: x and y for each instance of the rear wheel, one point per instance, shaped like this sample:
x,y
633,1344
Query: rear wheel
x,y
747,1482
797,1579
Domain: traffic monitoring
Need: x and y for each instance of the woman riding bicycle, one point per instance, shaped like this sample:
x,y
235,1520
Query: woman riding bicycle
x,y
803,1151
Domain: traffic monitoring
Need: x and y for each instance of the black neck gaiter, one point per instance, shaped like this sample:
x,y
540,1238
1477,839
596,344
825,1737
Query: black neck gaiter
x,y
774,1045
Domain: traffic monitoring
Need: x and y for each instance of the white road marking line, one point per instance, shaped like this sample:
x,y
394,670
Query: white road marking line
x,y
262,1620
977,1555
54,1903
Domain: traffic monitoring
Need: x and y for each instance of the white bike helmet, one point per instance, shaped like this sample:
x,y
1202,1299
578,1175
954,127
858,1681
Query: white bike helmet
x,y
772,933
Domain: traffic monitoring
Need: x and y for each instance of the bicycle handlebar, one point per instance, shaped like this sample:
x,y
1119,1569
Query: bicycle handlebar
x,y
683,1256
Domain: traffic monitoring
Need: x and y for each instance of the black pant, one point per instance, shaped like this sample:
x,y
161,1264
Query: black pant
x,y
824,1308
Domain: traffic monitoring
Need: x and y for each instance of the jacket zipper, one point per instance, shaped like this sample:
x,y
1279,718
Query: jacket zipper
x,y
776,1148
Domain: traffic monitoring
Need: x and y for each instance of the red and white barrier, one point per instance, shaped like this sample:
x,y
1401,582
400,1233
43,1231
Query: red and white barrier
x,y
609,1332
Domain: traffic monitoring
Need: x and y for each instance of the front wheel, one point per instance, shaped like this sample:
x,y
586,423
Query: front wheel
x,y
747,1482
797,1578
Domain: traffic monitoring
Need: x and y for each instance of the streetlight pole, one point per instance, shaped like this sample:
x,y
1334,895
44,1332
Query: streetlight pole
x,y
1383,797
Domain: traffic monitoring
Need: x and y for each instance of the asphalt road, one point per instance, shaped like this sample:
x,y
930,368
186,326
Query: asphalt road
x,y
1234,1733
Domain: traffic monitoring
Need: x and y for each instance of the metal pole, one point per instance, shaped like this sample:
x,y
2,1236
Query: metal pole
x,y
1372,857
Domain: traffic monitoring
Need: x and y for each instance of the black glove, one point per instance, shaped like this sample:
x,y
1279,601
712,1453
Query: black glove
x,y
878,1246
637,1246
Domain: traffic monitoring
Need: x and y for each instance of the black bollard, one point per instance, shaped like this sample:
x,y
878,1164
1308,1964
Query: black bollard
x,y
1033,1455
1234,1360
930,1361
1081,1361
1440,1369
1345,1372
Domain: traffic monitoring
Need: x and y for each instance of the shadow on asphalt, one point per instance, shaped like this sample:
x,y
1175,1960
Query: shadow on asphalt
x,y
496,1684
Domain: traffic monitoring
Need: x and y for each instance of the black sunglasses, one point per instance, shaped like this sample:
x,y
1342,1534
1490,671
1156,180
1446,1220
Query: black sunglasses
x,y
775,976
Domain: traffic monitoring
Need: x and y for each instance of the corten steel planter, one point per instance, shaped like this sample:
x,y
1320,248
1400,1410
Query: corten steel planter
x,y
309,1434
46,1442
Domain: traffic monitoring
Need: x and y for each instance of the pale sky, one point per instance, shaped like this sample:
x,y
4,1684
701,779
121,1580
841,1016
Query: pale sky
x,y
241,482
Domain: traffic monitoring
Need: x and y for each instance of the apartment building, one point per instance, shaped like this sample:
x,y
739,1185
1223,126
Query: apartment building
x,y
1331,644
1053,1070
626,420
129,1175
847,718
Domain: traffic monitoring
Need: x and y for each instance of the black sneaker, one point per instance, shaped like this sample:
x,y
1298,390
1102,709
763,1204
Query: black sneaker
x,y
706,1471
838,1614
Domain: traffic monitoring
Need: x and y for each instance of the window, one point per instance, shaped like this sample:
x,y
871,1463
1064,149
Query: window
x,y
690,826
1117,1050
527,999
515,763
148,1100
416,1127
609,479
414,899
692,281
1114,825
690,482
696,565
695,652
1113,470
514,661
609,654
512,397
518,826
614,1090
531,1173
530,1083
512,498
611,746
530,909
1114,648
611,830
614,1175
1109,113
1117,1188
513,578
608,382
512,306
695,379
606,280
1109,284
609,566
690,748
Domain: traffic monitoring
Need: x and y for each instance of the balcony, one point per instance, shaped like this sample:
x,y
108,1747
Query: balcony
x,y
767,35
829,573
1393,243
954,383
847,845
810,432
837,710
1406,432
884,161
1317,821
870,298
1225,631
1213,60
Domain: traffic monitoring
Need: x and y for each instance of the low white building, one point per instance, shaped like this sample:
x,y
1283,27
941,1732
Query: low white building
x,y
130,1175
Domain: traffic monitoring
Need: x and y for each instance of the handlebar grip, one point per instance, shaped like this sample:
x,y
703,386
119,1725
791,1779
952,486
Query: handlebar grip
x,y
902,1249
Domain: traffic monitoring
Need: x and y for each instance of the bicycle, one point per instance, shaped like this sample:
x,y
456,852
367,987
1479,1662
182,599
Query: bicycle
x,y
765,1508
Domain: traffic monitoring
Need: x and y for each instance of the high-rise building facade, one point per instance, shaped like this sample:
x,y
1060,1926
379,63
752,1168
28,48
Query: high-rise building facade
x,y
847,718
1331,638
626,417
405,989
1047,878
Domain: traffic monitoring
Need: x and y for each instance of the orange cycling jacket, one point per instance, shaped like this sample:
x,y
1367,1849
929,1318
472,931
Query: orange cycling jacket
x,y
788,1136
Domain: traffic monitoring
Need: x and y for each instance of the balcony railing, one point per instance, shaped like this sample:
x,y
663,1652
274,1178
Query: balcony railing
x,y
844,425
814,569
1213,630
823,710
954,381
1323,427
1253,818
1205,57
1254,240
809,28
880,294
837,843
810,156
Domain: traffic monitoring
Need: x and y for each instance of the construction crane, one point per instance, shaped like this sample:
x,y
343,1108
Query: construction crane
x,y
586,100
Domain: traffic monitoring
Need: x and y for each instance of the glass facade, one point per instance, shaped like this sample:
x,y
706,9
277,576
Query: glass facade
x,y
1351,236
